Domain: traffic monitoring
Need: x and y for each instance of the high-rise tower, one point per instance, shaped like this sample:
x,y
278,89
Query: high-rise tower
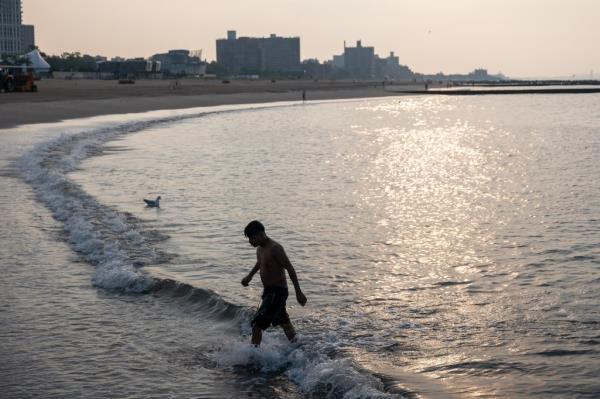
x,y
10,27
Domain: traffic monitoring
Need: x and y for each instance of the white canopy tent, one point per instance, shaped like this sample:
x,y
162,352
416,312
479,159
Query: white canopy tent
x,y
37,62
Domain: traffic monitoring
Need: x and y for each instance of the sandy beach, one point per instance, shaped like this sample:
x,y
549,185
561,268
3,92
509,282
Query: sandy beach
x,y
59,99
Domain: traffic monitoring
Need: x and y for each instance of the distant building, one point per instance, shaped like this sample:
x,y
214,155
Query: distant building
x,y
359,61
180,62
390,68
380,67
248,55
479,74
313,69
338,61
134,68
27,38
10,27
392,60
239,55
280,54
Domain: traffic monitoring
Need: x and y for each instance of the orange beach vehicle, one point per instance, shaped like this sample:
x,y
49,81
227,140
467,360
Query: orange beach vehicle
x,y
17,78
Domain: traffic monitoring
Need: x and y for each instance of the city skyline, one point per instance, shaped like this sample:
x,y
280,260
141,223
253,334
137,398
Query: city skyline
x,y
540,38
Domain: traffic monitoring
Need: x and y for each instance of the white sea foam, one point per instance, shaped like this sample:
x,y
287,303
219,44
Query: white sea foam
x,y
101,235
306,363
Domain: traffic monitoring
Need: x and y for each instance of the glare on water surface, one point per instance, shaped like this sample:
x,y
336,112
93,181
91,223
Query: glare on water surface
x,y
422,228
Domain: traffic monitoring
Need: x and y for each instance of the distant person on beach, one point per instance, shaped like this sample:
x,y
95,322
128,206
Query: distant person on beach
x,y
303,95
272,262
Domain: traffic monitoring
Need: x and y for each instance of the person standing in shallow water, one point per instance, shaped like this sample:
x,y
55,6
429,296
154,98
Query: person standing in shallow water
x,y
272,262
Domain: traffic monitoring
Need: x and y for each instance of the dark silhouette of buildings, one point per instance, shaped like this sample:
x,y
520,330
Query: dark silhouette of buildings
x,y
359,61
15,38
390,68
10,27
249,55
180,63
119,69
479,74
27,38
313,69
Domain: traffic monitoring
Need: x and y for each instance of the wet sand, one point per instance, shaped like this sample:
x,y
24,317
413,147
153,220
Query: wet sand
x,y
59,99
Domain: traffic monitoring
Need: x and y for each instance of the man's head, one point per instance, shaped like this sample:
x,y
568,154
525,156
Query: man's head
x,y
255,231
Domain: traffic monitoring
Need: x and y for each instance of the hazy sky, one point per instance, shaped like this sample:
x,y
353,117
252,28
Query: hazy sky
x,y
517,37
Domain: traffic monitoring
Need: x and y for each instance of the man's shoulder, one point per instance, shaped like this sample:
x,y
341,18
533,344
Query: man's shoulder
x,y
277,246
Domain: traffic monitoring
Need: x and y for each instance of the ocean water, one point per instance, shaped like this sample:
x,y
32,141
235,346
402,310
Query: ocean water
x,y
448,247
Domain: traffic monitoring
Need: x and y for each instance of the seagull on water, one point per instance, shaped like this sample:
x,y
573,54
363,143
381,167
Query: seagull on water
x,y
153,203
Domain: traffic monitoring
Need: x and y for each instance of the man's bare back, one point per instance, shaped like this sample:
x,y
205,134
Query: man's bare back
x,y
272,272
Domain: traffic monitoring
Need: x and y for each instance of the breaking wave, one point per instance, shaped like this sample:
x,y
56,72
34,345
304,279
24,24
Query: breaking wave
x,y
118,247
105,238
308,363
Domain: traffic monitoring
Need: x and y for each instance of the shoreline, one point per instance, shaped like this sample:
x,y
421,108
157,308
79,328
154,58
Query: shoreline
x,y
60,100
480,92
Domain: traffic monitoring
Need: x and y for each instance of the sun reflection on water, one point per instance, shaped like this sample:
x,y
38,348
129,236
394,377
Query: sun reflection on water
x,y
427,230
432,190
428,186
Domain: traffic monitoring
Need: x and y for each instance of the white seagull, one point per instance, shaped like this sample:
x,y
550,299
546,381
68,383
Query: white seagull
x,y
153,203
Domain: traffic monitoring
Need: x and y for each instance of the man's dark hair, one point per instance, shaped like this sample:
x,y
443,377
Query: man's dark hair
x,y
253,228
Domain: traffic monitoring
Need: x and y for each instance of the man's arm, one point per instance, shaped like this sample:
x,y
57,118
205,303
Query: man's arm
x,y
246,280
287,265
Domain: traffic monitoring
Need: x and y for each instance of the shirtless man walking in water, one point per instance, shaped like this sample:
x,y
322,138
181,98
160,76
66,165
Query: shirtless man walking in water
x,y
272,262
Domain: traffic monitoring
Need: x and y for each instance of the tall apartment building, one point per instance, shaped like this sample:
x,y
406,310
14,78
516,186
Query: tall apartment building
x,y
239,54
10,27
27,38
256,55
359,61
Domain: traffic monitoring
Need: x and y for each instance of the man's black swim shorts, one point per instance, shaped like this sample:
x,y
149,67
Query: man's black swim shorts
x,y
272,309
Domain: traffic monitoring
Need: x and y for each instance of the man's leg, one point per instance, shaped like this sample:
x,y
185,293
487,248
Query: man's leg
x,y
256,335
289,331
